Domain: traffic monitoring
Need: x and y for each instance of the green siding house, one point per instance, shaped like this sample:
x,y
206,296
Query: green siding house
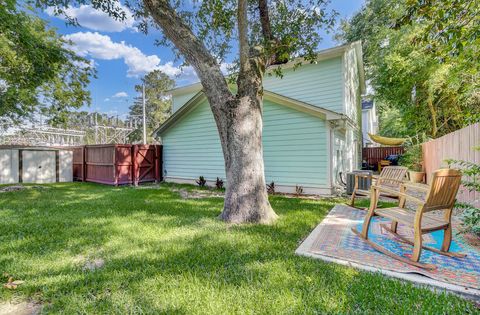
x,y
311,126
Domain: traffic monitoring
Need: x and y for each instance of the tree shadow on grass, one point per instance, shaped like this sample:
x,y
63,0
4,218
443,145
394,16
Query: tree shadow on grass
x,y
167,255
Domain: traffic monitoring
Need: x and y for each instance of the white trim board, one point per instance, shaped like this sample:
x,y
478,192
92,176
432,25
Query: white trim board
x,y
416,279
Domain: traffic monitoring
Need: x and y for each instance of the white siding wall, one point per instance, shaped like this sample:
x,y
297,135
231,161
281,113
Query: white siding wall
x,y
339,162
346,152
352,94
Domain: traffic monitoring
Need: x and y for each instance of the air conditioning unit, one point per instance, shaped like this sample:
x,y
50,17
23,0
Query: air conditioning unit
x,y
363,183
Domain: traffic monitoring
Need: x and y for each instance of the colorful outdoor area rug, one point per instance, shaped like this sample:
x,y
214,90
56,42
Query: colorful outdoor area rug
x,y
333,240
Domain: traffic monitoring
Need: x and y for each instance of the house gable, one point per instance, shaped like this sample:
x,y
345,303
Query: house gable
x,y
332,82
268,96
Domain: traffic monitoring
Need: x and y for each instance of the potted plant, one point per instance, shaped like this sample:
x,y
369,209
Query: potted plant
x,y
413,159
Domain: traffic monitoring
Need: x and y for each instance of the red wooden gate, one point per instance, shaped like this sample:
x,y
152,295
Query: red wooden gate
x,y
118,164
147,162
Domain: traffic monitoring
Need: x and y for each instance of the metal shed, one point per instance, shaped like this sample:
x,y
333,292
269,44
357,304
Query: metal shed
x,y
24,164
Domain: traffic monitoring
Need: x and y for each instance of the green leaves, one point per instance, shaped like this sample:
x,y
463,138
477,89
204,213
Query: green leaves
x,y
37,72
158,106
471,181
414,75
451,25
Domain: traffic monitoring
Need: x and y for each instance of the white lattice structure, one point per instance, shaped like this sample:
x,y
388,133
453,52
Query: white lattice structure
x,y
42,136
108,129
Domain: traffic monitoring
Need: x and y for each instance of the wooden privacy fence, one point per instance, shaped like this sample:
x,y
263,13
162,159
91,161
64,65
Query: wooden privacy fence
x,y
373,155
117,164
458,145
78,163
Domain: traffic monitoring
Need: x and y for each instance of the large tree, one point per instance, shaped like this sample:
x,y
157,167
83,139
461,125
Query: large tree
x,y
421,59
259,33
37,72
158,106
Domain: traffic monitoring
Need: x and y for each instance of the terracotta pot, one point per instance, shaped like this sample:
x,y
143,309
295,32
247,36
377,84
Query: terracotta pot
x,y
416,177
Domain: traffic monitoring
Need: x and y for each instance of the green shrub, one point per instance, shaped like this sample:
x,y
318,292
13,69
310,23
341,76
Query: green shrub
x,y
201,181
413,156
471,181
219,183
271,188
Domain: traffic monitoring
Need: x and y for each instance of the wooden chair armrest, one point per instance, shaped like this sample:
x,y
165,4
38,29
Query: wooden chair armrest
x,y
422,187
366,175
397,193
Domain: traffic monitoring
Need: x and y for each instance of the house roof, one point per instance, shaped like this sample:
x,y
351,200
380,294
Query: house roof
x,y
367,104
267,95
321,55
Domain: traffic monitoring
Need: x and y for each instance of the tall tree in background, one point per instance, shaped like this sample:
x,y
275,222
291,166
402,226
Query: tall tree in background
x,y
37,72
263,33
413,73
158,105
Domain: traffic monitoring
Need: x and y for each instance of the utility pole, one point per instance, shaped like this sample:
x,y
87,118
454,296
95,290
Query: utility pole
x,y
96,128
144,118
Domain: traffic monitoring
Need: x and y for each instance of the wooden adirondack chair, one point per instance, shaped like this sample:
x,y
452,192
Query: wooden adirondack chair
x,y
440,196
391,177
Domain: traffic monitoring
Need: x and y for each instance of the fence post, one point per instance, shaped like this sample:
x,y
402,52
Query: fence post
x,y
84,163
158,163
135,172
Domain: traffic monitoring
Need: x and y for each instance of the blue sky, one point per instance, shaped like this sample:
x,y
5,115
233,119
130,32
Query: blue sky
x,y
122,55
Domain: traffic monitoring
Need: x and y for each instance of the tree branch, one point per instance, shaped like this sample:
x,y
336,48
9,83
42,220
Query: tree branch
x,y
192,48
242,20
273,43
265,20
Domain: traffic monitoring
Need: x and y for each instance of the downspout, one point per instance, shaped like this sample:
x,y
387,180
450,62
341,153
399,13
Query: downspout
x,y
335,125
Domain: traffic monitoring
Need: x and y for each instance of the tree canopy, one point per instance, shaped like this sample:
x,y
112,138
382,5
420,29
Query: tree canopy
x,y
158,106
428,79
37,72
257,34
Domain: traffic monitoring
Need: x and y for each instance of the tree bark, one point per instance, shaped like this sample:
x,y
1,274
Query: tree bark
x,y
238,117
433,112
246,198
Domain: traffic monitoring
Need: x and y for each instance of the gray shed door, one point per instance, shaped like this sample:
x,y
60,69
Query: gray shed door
x,y
39,167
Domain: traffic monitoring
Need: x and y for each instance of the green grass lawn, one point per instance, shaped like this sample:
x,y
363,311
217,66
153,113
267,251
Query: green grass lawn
x,y
164,254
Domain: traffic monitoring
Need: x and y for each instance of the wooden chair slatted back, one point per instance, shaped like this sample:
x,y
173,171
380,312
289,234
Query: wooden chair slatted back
x,y
397,173
443,190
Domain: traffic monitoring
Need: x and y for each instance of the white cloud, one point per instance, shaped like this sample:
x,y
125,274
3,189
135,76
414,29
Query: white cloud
x,y
98,46
96,20
120,94
102,47
226,68
107,100
187,75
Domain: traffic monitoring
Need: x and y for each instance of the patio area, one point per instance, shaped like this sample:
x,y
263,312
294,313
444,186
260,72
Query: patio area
x,y
333,241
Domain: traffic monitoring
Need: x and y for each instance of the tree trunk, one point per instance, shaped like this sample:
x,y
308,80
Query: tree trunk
x,y
238,117
433,112
246,198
